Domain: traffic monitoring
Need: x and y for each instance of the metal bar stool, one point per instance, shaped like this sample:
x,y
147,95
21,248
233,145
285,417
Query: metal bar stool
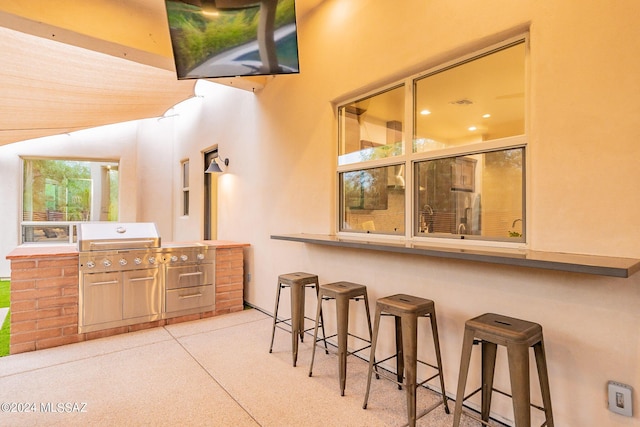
x,y
517,336
342,292
406,309
298,282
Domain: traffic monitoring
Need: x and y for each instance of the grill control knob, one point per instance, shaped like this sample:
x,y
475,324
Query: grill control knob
x,y
106,263
123,261
183,258
137,261
174,258
152,260
91,264
200,256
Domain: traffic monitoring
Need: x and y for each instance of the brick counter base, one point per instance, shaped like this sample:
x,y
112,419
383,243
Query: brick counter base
x,y
44,300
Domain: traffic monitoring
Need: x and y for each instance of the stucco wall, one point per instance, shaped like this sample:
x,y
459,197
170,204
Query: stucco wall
x,y
582,148
281,142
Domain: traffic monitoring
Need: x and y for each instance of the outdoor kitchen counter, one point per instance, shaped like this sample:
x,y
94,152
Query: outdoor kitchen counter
x,y
38,251
45,293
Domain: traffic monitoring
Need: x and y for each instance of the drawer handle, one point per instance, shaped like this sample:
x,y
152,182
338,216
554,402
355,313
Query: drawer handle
x,y
110,282
198,273
190,296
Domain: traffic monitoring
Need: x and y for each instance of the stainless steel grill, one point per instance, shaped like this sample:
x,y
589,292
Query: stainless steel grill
x,y
127,277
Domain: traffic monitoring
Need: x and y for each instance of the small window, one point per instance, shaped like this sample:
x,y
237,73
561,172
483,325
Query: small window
x,y
185,187
479,195
373,200
59,193
372,128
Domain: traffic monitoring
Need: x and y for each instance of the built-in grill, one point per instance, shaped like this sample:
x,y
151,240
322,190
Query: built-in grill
x,y
127,277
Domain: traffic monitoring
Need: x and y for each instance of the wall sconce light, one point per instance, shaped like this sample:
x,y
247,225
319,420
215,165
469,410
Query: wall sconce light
x,y
217,165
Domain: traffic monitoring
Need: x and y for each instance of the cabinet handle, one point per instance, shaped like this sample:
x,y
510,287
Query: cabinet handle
x,y
141,279
110,282
189,296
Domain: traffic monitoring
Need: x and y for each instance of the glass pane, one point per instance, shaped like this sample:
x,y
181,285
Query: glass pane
x,y
478,100
372,128
69,190
185,174
45,233
478,195
373,200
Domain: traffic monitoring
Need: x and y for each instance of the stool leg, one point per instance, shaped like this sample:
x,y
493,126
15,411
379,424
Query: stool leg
x,y
324,336
315,332
436,344
342,311
489,351
543,376
399,352
518,356
297,295
409,326
374,341
366,306
275,316
465,359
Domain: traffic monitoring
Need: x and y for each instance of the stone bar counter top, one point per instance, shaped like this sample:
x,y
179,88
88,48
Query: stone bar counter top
x,y
576,263
45,293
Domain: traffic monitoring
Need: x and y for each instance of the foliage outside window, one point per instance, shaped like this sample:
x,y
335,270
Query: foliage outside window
x,y
465,163
57,194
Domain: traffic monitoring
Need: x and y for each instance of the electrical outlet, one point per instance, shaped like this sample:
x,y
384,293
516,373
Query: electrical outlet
x,y
620,398
248,277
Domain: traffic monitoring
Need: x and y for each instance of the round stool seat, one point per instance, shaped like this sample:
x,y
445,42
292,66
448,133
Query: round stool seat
x,y
343,289
503,330
401,303
298,278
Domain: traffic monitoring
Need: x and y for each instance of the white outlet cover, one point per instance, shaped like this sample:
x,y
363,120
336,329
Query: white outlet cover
x,y
620,398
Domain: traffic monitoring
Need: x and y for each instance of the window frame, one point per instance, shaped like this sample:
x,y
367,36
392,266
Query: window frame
x,y
70,225
409,158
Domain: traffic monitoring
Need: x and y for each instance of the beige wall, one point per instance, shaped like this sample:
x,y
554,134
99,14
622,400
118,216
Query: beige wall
x,y
583,150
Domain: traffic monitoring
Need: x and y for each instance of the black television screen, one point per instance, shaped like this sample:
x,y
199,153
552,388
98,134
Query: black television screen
x,y
230,38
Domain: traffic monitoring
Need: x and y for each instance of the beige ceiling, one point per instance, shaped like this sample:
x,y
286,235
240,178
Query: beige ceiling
x,y
69,65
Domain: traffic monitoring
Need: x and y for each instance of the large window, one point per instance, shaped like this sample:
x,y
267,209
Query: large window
x,y
57,194
464,167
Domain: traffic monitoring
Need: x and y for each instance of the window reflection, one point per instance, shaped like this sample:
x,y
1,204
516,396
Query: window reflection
x,y
474,195
372,128
372,200
478,100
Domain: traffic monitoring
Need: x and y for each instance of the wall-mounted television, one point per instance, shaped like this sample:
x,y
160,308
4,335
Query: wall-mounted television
x,y
230,38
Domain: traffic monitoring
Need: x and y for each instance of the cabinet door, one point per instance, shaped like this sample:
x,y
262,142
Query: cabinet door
x,y
141,294
102,298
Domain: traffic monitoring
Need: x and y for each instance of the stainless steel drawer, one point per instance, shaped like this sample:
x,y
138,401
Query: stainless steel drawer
x,y
188,298
189,275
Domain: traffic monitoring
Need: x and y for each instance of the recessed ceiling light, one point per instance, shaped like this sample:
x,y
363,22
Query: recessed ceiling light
x,y
425,112
486,116
472,128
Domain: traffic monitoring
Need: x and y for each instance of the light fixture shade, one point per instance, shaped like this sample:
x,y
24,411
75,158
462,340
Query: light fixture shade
x,y
214,166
